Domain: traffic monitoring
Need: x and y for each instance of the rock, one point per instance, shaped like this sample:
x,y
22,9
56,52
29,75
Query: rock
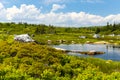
x,y
82,37
101,42
23,38
73,42
61,41
92,52
88,42
49,41
96,36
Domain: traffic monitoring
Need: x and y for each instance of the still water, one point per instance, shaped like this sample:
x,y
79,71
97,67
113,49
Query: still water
x,y
111,53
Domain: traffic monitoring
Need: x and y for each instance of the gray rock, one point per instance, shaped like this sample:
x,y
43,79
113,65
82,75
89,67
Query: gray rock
x,y
23,38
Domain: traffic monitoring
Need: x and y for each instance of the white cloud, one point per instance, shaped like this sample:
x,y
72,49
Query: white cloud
x,y
1,6
112,18
31,14
56,7
54,1
25,12
92,1
12,12
2,12
72,19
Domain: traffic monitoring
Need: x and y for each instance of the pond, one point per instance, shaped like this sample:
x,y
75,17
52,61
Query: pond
x,y
111,52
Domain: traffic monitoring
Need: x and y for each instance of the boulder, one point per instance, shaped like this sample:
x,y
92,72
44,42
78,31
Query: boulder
x,y
23,38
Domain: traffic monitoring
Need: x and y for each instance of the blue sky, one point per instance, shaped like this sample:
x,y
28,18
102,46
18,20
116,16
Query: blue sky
x,y
61,12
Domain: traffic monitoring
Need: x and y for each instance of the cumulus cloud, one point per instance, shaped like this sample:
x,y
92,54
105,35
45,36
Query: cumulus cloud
x,y
56,7
112,18
2,12
31,14
24,13
1,6
72,19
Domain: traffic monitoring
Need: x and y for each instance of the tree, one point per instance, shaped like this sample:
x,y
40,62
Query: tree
x,y
40,30
97,30
51,30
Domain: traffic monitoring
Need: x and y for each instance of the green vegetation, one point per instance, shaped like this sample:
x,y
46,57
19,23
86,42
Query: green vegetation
x,y
32,61
42,33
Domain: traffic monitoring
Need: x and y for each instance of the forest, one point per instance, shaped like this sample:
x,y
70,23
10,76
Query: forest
x,y
33,61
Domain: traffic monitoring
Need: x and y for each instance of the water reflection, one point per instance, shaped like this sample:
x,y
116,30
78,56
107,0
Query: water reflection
x,y
111,52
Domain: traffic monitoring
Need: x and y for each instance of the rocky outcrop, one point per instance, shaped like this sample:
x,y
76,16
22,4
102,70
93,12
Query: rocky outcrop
x,y
92,52
23,38
101,42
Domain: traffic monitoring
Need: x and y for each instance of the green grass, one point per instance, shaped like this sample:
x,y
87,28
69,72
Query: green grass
x,y
106,66
68,37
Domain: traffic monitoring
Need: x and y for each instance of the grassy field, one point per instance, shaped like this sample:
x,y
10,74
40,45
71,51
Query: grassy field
x,y
70,38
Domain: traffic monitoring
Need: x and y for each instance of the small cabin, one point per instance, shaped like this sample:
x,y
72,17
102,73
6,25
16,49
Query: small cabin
x,y
23,38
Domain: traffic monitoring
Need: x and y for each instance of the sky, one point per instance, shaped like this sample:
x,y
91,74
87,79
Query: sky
x,y
66,13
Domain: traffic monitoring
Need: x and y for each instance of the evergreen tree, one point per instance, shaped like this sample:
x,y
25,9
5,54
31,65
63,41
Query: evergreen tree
x,y
97,30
